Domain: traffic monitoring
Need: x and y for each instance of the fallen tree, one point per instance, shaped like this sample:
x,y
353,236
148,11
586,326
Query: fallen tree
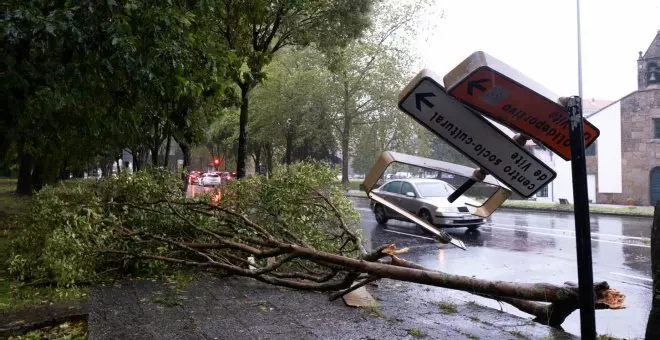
x,y
294,230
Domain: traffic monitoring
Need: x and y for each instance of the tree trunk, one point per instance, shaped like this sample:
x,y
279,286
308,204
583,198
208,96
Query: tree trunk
x,y
24,186
289,148
242,133
38,175
269,157
185,149
118,162
63,175
257,160
653,325
168,145
345,139
78,173
154,155
137,162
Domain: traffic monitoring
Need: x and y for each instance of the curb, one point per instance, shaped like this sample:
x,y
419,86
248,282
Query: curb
x,y
547,211
551,211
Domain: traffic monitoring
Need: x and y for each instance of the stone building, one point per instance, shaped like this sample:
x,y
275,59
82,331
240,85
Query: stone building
x,y
626,158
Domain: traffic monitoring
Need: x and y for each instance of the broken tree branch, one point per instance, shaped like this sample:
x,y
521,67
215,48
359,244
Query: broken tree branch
x,y
552,314
229,242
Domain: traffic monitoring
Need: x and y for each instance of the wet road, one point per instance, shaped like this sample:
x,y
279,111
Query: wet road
x,y
538,247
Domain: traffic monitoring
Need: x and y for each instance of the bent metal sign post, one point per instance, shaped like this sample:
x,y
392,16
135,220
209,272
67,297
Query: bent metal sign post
x,y
427,102
509,97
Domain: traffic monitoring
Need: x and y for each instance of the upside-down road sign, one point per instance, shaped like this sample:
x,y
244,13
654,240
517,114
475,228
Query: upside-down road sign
x,y
509,97
425,100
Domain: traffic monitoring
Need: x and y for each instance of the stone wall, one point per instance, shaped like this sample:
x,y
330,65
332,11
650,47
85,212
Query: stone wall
x,y
640,151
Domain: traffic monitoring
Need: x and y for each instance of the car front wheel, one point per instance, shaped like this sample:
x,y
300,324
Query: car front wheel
x,y
381,216
426,216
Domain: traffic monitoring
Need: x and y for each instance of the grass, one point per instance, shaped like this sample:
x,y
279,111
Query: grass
x,y
519,334
375,311
606,337
469,335
12,208
416,332
168,301
66,330
353,184
631,210
446,307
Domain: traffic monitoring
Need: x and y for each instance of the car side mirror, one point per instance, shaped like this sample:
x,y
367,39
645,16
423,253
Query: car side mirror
x,y
410,194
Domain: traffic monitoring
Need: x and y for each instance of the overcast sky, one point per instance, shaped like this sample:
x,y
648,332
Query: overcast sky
x,y
539,39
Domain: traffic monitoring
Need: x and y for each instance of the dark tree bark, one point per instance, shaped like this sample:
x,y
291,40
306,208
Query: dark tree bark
x,y
241,170
653,325
289,148
78,173
345,138
24,186
269,157
137,161
187,156
63,175
38,175
154,155
345,154
257,159
166,157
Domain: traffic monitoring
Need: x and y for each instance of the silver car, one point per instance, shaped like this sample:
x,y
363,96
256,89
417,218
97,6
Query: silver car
x,y
426,198
210,179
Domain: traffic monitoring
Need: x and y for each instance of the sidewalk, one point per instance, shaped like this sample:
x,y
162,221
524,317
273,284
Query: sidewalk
x,y
594,208
241,308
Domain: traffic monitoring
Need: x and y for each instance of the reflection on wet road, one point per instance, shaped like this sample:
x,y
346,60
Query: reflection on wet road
x,y
538,247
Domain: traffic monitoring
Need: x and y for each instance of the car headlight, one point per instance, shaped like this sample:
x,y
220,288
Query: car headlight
x,y
445,210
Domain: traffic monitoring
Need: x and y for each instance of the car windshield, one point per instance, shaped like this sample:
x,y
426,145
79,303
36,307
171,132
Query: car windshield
x,y
434,189
213,175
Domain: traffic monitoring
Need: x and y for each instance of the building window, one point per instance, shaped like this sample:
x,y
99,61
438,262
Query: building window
x,y
656,126
543,192
653,74
591,150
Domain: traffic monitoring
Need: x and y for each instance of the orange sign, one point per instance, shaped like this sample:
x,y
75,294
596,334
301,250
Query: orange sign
x,y
520,108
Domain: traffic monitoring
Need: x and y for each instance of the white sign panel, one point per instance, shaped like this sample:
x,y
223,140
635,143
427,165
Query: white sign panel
x,y
426,101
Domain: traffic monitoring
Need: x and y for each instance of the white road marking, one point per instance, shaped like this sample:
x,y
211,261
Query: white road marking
x,y
572,231
412,235
573,237
633,277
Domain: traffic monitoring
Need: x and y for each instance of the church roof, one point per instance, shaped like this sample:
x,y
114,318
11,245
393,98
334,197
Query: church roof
x,y
654,49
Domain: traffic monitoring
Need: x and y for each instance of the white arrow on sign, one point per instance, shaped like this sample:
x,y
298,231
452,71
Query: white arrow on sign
x,y
426,101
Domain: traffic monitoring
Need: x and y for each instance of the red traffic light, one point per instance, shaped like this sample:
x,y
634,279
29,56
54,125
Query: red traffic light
x,y
216,161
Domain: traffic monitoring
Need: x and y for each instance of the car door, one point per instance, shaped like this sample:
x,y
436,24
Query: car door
x,y
392,193
410,204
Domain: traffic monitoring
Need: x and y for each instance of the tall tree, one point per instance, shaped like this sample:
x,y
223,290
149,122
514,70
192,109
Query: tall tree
x,y
257,29
291,108
369,73
84,80
393,130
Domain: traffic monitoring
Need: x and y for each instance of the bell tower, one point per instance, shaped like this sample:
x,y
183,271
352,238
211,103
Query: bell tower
x,y
648,66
